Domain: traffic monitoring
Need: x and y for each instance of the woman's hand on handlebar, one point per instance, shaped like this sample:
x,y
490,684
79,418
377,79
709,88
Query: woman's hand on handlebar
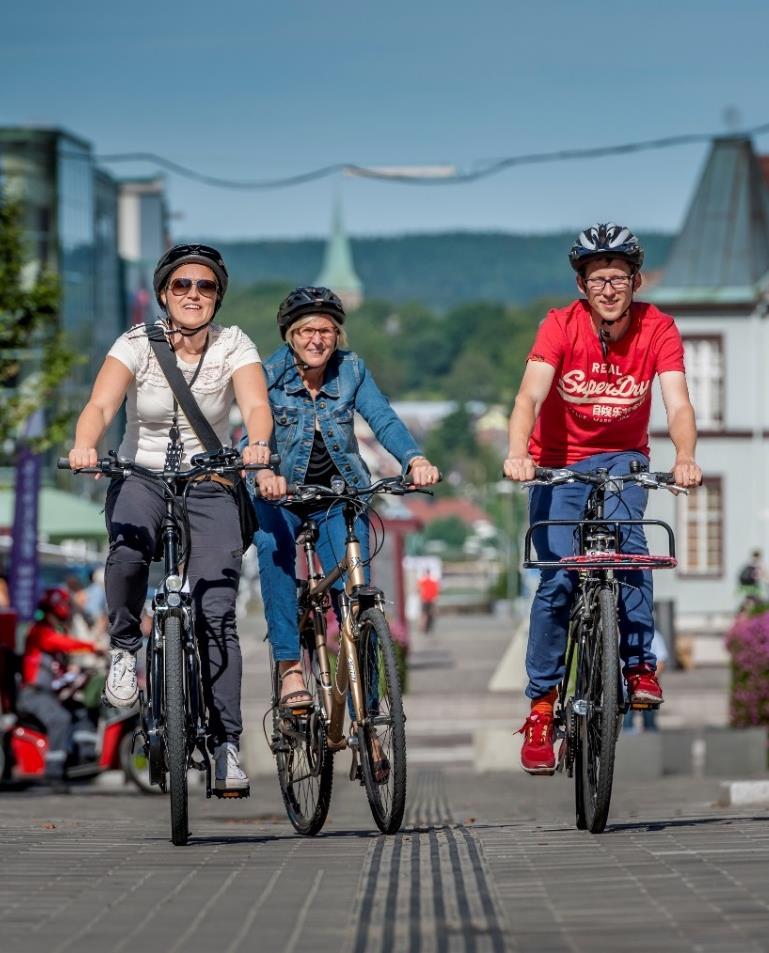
x,y
255,454
423,473
271,485
80,457
519,468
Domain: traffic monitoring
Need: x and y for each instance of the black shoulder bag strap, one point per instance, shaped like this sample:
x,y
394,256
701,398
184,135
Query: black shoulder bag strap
x,y
205,432
181,389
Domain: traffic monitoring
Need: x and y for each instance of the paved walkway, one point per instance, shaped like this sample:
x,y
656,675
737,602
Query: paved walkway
x,y
484,862
481,865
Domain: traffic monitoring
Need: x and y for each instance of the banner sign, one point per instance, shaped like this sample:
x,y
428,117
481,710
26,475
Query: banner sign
x,y
23,569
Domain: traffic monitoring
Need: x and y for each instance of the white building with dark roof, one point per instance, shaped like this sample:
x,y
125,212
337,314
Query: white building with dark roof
x,y
716,285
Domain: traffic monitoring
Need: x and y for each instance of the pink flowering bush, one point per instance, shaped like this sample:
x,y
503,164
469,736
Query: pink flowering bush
x,y
748,644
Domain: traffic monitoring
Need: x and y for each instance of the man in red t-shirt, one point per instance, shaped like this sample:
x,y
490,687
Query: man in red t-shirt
x,y
584,402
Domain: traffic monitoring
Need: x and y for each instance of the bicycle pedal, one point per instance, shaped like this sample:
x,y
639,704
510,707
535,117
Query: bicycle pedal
x,y
295,711
560,760
232,794
644,706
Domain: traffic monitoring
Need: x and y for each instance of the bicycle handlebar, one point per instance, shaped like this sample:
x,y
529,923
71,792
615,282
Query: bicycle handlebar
x,y
655,481
397,485
222,462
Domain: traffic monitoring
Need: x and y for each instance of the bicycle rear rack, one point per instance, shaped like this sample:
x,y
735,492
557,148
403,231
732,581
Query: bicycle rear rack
x,y
614,558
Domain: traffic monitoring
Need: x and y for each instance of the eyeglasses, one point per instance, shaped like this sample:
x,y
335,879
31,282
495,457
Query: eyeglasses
x,y
308,333
618,282
182,286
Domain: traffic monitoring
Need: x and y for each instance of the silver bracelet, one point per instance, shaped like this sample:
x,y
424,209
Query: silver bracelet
x,y
260,443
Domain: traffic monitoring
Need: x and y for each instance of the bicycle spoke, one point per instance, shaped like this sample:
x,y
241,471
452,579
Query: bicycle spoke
x,y
305,772
383,739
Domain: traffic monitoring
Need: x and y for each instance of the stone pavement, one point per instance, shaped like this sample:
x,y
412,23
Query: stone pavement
x,y
484,862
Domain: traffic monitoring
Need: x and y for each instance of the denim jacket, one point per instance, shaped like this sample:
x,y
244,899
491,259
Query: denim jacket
x,y
347,387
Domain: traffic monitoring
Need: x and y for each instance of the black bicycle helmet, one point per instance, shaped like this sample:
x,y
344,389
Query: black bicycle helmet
x,y
196,254
308,300
606,240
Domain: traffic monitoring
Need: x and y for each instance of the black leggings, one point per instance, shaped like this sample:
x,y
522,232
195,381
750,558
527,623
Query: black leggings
x,y
135,511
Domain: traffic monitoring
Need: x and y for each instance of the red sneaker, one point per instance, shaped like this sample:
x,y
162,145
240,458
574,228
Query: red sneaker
x,y
642,686
537,754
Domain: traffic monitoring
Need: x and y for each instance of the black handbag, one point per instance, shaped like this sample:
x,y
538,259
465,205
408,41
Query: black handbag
x,y
203,429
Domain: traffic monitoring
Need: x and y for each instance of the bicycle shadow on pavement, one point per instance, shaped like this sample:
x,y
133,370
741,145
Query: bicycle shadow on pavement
x,y
683,822
209,840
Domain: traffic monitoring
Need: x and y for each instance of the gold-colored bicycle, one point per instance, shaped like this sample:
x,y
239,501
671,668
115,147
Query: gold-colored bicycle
x,y
362,676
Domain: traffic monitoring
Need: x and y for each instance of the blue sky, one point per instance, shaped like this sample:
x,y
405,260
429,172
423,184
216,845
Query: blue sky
x,y
249,90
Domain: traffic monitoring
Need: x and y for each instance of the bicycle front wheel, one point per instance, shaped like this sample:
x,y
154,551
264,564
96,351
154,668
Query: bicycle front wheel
x,y
305,765
599,687
382,741
176,733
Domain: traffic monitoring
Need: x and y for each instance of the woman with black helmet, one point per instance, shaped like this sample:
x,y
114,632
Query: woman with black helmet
x,y
315,387
221,366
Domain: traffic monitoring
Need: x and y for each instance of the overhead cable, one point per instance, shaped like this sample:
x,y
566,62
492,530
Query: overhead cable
x,y
414,176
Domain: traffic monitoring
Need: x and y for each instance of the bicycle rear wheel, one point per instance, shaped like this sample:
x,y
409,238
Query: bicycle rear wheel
x,y
382,742
305,765
175,729
599,686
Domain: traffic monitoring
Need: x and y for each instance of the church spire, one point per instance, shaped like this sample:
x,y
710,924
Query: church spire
x,y
338,272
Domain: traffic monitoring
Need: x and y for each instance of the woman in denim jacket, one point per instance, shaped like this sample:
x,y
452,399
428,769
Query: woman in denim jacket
x,y
315,386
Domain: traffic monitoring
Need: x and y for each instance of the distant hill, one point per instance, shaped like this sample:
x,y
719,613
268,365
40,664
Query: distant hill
x,y
445,269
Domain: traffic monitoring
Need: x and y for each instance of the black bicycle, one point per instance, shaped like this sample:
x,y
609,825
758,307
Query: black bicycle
x,y
591,696
174,723
367,667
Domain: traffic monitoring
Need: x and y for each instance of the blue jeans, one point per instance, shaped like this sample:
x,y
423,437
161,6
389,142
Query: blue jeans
x,y
548,628
276,548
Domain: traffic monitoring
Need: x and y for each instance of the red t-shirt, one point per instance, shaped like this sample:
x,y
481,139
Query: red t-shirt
x,y
429,589
597,404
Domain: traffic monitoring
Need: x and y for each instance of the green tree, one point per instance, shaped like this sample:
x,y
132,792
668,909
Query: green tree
x,y
454,449
34,355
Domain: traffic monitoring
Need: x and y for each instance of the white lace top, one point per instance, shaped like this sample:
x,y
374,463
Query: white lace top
x,y
150,400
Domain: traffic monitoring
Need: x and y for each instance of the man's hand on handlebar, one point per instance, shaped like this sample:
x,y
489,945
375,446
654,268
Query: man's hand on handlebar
x,y
687,472
271,485
518,468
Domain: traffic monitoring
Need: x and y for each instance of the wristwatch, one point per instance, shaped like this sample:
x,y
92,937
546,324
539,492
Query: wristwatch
x,y
260,443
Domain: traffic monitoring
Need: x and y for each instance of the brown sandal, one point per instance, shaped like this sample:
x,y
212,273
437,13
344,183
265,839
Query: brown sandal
x,y
297,699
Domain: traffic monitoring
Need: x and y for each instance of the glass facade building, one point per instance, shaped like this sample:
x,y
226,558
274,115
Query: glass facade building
x,y
69,212
70,219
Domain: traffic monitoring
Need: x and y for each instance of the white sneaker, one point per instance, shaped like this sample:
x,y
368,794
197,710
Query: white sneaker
x,y
122,688
229,776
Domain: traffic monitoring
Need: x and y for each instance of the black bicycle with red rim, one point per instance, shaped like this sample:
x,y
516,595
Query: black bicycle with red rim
x,y
591,697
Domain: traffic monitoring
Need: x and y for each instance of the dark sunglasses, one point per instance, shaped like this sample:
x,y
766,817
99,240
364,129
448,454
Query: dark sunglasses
x,y
182,286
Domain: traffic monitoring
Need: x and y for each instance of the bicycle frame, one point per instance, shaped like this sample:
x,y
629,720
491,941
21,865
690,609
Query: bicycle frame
x,y
347,676
173,602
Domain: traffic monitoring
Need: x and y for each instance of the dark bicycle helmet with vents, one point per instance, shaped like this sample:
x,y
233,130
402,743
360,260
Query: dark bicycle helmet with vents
x,y
606,240
193,254
310,300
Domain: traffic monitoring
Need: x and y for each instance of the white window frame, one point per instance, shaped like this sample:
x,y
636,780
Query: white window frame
x,y
704,359
702,510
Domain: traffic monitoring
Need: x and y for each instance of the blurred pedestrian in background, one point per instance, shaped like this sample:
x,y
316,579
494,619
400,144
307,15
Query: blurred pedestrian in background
x,y
752,578
429,590
95,603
